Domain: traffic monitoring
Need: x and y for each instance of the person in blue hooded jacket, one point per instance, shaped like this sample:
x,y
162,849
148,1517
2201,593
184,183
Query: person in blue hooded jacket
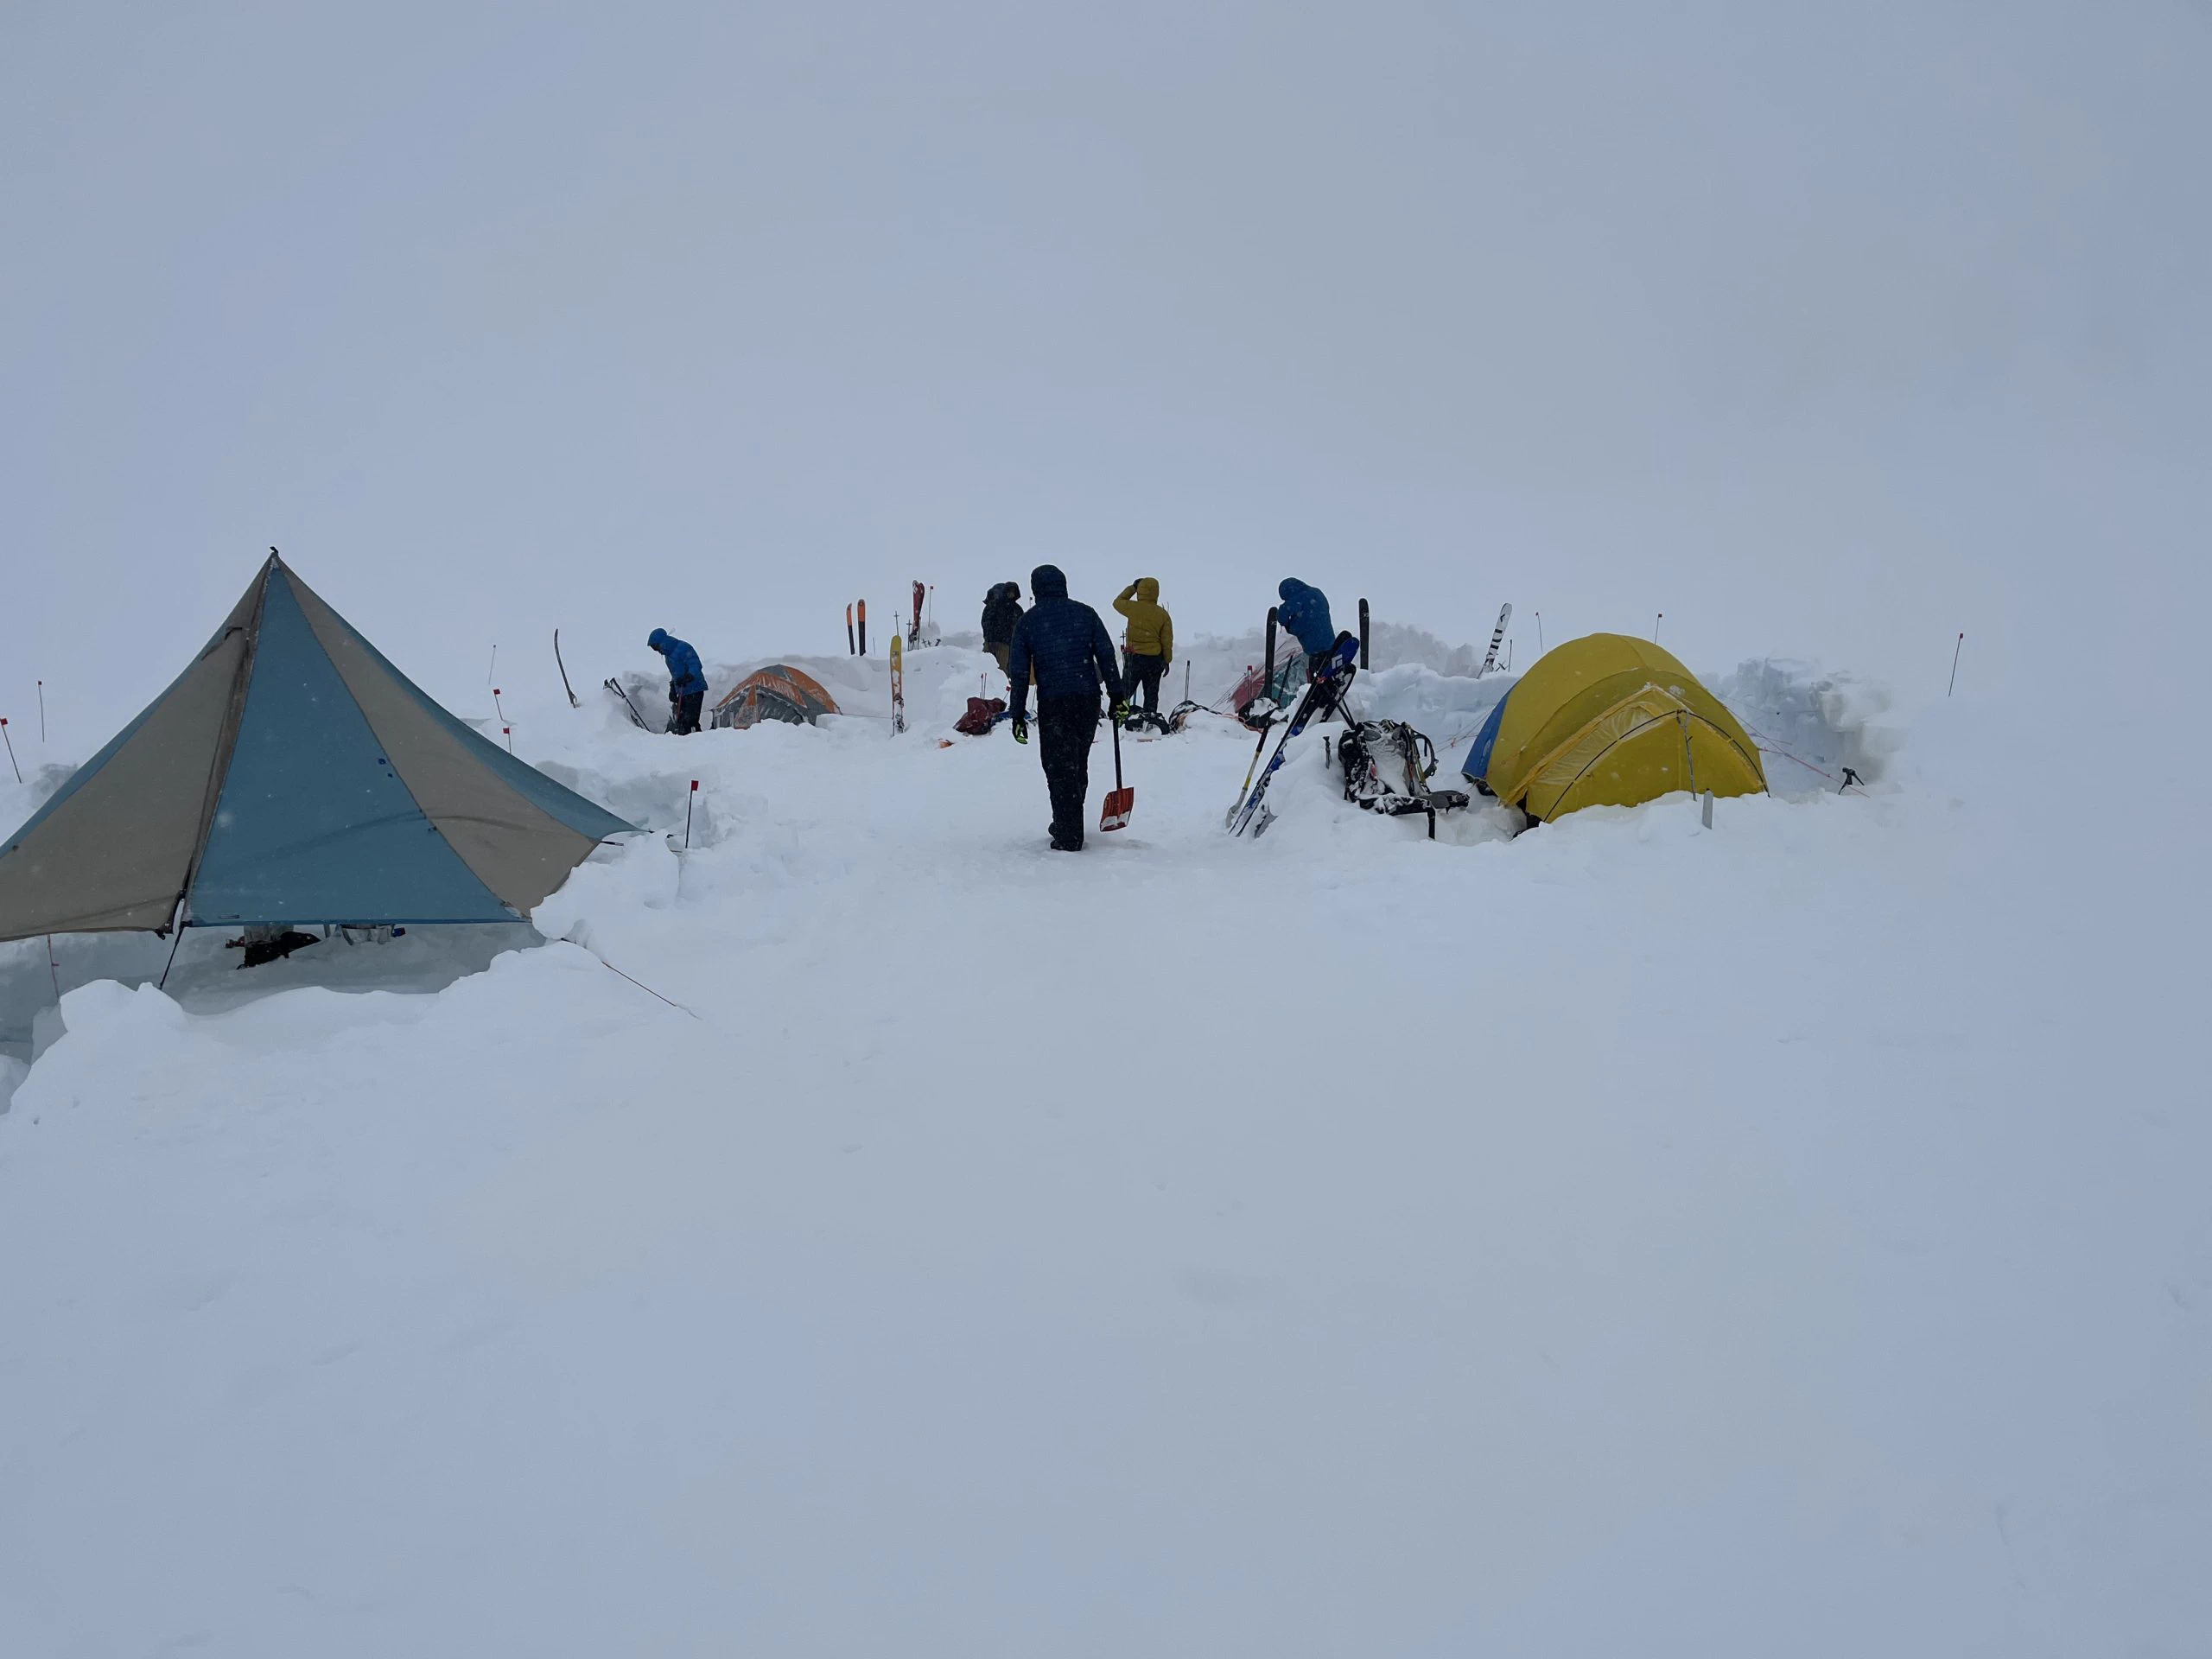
x,y
1066,643
1305,613
687,685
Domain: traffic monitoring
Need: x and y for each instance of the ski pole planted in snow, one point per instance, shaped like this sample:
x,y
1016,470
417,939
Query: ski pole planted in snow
x,y
42,711
690,796
1540,633
563,667
1238,805
492,667
11,748
1955,650
1656,622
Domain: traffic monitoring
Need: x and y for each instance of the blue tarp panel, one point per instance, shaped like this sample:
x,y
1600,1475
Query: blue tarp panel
x,y
562,804
1476,764
313,825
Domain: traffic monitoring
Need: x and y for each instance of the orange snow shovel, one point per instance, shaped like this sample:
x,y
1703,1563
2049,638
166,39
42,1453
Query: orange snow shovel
x,y
1121,801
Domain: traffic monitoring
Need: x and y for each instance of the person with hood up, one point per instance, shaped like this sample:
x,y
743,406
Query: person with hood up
x,y
1305,613
1001,615
687,683
1150,640
1067,644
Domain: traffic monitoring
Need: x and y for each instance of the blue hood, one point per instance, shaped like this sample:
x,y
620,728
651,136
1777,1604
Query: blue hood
x,y
1305,612
657,638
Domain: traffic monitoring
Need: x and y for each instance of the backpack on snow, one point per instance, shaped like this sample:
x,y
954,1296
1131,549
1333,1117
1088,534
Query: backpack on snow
x,y
1387,768
982,714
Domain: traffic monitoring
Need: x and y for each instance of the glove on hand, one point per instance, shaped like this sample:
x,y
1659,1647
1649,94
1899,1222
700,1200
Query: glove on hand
x,y
1020,729
1121,713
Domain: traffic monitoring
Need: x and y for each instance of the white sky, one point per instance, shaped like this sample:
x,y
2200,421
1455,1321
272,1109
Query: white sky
x,y
1829,330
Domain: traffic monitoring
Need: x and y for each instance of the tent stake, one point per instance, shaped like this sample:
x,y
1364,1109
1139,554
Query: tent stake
x,y
1540,633
1656,622
1955,650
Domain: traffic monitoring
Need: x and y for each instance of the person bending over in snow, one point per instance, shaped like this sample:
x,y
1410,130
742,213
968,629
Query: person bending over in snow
x,y
1073,655
687,686
1152,641
1305,613
1001,615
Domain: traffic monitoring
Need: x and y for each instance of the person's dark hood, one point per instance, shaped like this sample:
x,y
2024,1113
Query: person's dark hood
x,y
1291,587
657,639
1046,582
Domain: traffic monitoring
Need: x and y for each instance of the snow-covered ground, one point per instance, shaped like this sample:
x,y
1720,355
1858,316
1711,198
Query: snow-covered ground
x,y
1631,1238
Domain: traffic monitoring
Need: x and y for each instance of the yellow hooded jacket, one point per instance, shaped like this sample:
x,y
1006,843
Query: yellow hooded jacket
x,y
1152,631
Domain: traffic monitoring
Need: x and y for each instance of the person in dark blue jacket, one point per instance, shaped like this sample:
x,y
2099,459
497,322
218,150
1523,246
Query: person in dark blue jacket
x,y
1305,612
1001,615
687,685
1067,644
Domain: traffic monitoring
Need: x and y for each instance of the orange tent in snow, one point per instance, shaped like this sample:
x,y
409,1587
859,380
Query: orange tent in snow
x,y
777,692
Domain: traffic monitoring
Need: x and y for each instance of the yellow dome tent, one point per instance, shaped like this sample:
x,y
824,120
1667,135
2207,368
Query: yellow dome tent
x,y
1608,721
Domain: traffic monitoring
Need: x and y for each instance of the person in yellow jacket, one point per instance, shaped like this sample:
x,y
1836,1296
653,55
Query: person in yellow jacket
x,y
1150,645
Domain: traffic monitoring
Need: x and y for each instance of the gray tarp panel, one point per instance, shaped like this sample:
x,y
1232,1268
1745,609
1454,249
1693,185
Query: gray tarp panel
x,y
516,848
112,848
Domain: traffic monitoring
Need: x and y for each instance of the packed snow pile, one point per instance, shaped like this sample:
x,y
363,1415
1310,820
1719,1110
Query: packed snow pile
x,y
848,1227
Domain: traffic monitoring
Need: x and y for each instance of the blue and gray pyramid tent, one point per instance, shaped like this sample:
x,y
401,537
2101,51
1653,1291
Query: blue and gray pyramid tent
x,y
291,774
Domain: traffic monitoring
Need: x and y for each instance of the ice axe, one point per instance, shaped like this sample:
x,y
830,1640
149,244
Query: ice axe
x,y
1121,802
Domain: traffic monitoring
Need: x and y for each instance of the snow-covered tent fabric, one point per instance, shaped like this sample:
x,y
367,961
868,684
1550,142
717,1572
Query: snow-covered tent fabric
x,y
777,692
291,774
1610,720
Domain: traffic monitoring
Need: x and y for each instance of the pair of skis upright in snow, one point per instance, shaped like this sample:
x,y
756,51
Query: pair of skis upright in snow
x,y
1322,698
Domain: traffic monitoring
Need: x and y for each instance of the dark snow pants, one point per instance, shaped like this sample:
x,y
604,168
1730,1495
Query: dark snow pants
x,y
1065,727
1140,670
683,712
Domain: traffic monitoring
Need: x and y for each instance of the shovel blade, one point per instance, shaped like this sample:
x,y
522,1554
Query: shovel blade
x,y
1119,806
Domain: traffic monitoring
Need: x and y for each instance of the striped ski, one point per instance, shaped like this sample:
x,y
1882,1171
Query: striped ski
x,y
1496,635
